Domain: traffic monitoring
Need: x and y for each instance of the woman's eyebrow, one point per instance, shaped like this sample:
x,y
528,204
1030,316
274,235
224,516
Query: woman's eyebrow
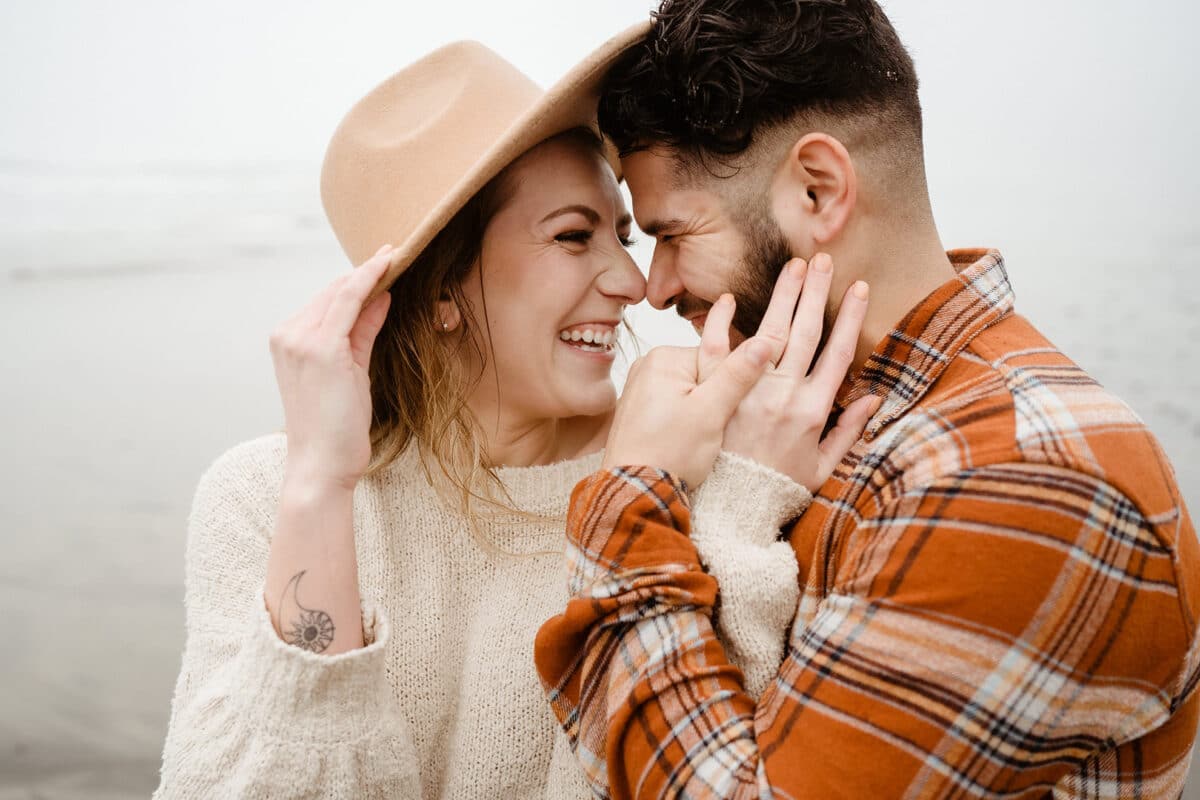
x,y
592,215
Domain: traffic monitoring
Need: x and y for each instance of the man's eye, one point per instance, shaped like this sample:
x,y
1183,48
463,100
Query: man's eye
x,y
665,237
580,237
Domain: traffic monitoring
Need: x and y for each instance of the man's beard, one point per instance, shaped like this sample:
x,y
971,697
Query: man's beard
x,y
767,252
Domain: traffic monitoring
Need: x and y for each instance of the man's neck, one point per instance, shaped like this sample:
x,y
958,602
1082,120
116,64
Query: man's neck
x,y
902,270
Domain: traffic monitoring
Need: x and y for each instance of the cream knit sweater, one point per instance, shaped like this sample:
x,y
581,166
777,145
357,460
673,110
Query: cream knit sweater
x,y
443,701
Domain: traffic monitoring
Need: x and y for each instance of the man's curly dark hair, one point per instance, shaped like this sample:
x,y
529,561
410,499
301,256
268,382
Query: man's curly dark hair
x,y
712,73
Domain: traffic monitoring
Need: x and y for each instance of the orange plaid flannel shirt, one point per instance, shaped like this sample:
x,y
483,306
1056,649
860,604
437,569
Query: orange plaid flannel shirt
x,y
1001,587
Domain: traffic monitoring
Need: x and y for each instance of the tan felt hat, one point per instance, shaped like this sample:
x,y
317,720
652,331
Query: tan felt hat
x,y
409,155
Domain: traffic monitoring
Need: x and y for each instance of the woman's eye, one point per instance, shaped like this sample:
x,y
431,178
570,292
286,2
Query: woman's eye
x,y
578,237
628,241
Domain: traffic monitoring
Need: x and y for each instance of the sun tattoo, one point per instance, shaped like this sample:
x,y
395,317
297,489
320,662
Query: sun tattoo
x,y
313,630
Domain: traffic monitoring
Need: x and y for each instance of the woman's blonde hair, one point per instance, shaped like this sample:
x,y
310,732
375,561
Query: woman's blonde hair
x,y
419,386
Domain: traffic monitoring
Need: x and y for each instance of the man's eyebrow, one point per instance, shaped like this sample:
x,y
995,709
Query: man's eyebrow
x,y
592,215
659,226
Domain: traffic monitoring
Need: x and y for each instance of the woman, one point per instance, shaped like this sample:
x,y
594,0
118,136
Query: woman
x,y
363,590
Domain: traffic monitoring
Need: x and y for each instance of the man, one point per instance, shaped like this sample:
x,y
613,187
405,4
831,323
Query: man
x,y
1000,582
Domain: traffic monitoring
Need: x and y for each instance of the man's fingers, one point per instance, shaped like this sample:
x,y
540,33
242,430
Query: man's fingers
x,y
714,340
777,321
735,377
348,301
838,354
846,433
809,320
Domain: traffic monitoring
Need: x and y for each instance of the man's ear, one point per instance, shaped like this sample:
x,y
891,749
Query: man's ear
x,y
815,192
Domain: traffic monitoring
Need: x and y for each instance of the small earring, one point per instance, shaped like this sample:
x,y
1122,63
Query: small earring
x,y
445,326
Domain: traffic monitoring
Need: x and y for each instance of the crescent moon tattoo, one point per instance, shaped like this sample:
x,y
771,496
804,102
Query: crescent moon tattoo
x,y
312,629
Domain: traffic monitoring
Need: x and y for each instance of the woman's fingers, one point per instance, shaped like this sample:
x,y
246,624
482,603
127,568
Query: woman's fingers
x,y
808,322
366,329
311,315
773,330
714,339
348,300
846,433
734,378
840,347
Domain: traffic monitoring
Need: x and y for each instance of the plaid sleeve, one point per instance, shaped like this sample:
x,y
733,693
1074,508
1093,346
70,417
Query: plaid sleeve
x,y
1006,631
635,633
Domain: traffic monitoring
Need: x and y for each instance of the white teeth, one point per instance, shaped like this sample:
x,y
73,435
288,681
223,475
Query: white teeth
x,y
590,340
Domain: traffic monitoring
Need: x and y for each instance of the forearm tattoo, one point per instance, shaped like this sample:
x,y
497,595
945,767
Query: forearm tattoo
x,y
309,628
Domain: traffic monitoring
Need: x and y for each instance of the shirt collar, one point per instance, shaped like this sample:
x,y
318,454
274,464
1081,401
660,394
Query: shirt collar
x,y
910,359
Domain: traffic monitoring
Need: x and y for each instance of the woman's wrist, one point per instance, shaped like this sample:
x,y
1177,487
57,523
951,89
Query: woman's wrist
x,y
304,480
314,502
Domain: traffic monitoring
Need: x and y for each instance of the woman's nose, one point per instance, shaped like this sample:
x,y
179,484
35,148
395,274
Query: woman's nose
x,y
623,280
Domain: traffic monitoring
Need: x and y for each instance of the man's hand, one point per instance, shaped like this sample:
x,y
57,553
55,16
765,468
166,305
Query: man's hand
x,y
779,422
667,419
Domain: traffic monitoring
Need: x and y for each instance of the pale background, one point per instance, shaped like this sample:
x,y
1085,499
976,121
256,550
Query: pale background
x,y
159,215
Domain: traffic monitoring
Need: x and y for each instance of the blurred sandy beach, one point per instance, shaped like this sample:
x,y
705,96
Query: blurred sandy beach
x,y
135,351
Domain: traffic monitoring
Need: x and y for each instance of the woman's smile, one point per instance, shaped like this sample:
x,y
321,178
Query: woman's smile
x,y
596,340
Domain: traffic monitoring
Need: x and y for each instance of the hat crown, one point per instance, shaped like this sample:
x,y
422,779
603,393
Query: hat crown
x,y
418,132
429,98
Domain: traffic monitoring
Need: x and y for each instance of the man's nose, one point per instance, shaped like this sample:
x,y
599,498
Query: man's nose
x,y
664,288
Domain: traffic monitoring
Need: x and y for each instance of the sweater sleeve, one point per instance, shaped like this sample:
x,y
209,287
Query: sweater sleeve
x,y
252,716
737,514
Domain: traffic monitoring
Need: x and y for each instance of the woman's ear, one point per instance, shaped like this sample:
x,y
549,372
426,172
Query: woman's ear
x,y
815,192
447,316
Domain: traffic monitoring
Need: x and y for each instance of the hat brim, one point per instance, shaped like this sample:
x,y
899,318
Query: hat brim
x,y
569,103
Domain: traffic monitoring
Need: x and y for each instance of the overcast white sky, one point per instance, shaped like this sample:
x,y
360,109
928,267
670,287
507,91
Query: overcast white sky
x,y
148,79
1091,105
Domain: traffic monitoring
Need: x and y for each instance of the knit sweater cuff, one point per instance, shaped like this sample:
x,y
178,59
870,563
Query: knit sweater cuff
x,y
296,695
745,501
736,520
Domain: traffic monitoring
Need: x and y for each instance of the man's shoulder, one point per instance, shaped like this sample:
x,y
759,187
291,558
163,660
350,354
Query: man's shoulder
x,y
1062,417
1013,398
1015,437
